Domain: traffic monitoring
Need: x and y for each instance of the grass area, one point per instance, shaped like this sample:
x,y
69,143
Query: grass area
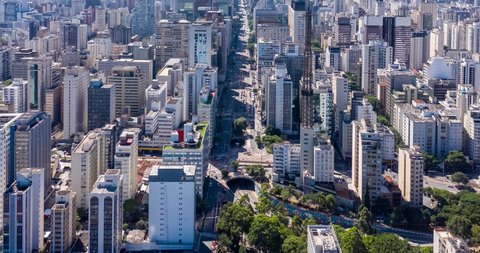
x,y
201,127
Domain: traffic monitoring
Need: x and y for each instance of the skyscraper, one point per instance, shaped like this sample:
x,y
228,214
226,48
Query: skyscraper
x,y
171,41
75,114
5,63
171,217
323,162
126,155
375,55
130,85
296,21
200,43
366,160
410,175
143,22
70,35
397,32
39,79
63,221
88,162
105,216
32,143
194,80
279,99
7,162
101,104
342,31
23,219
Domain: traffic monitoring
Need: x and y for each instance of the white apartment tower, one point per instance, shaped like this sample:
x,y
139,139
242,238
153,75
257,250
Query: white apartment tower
x,y
105,216
23,220
323,162
75,102
375,55
194,80
171,206
366,160
15,95
126,156
279,100
340,97
63,221
286,159
471,126
88,162
200,43
410,175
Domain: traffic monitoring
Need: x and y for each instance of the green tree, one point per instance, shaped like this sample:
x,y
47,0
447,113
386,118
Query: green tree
x,y
460,226
376,104
460,178
386,243
142,225
256,171
431,163
239,125
82,214
475,232
234,221
265,205
130,210
271,130
267,233
224,173
330,203
286,193
351,241
224,244
365,221
295,244
235,164
456,161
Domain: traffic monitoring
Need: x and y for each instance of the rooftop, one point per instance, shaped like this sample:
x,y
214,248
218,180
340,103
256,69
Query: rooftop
x,y
172,173
107,183
323,238
201,128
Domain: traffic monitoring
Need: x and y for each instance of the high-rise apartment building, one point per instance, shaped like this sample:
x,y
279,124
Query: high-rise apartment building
x,y
296,21
111,137
340,97
105,213
323,104
7,162
470,73
130,85
410,175
471,125
75,101
5,63
200,43
191,148
375,55
88,162
171,41
342,32
366,160
419,49
15,95
286,159
70,35
171,217
32,143
63,221
23,209
279,96
101,104
397,32
126,155
194,81
143,21
323,162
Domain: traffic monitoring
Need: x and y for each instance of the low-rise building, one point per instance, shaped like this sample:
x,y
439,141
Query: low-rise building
x,y
322,239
